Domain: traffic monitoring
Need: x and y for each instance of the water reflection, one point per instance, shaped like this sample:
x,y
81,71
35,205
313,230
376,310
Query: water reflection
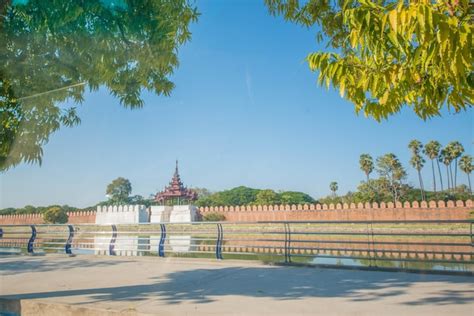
x,y
132,245
414,252
192,246
123,246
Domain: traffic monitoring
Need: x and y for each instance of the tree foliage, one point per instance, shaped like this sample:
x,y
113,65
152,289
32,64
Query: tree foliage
x,y
202,192
431,150
391,54
391,170
236,196
55,215
30,209
456,149
213,217
378,190
248,196
294,197
266,197
466,166
333,187
52,50
119,190
417,161
366,164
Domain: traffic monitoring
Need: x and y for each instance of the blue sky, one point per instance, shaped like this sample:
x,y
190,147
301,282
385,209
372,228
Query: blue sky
x,y
246,110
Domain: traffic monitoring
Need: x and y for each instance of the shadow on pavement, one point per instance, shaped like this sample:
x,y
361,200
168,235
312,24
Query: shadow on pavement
x,y
39,264
280,283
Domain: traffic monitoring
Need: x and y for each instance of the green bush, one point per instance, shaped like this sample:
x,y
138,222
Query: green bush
x,y
55,215
213,217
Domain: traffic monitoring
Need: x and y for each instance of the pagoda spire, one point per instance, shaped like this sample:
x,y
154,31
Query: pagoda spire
x,y
176,190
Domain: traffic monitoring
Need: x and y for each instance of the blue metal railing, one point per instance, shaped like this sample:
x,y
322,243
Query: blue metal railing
x,y
369,243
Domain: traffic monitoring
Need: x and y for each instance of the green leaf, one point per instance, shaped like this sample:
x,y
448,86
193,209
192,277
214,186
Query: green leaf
x,y
393,16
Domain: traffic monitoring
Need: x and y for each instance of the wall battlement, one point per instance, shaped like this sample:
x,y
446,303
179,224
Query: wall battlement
x,y
338,206
80,217
121,214
432,210
119,208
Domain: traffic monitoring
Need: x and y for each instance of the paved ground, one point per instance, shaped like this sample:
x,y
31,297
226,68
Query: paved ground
x,y
88,285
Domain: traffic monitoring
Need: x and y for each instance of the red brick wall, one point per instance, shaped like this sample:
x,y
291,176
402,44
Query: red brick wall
x,y
21,219
74,218
433,210
86,217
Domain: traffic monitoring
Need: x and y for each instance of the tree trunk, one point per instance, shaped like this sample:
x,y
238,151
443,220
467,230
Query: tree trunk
x,y
421,185
434,176
452,179
469,180
455,172
440,176
394,191
447,176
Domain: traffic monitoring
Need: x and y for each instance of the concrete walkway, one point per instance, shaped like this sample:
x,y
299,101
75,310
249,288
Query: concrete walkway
x,y
88,285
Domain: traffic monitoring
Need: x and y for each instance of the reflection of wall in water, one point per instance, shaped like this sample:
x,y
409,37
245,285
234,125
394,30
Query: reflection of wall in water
x,y
125,245
179,243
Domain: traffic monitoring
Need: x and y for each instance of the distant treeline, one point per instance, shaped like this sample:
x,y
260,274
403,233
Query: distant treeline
x,y
248,196
236,196
29,209
376,191
373,191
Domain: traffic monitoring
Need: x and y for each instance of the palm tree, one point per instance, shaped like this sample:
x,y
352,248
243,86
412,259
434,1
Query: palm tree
x,y
415,146
366,164
432,152
333,186
417,162
445,158
456,149
465,164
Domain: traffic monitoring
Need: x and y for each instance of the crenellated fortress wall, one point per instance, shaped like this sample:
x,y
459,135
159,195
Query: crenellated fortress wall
x,y
121,214
74,218
433,210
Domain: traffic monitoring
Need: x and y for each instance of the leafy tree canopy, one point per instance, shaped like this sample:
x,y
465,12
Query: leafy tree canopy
x,y
236,196
267,197
389,54
213,217
202,192
52,50
366,164
119,190
378,190
55,215
465,164
292,197
246,196
29,209
333,187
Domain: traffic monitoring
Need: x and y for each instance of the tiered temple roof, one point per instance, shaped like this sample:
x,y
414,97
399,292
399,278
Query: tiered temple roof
x,y
176,190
